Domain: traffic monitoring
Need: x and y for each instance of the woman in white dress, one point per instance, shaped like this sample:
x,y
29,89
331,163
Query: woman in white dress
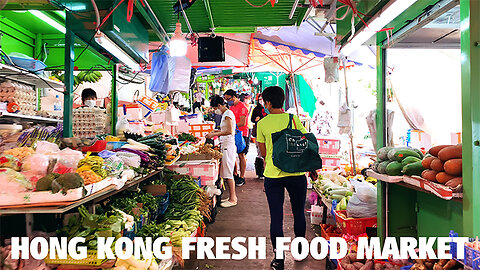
x,y
227,146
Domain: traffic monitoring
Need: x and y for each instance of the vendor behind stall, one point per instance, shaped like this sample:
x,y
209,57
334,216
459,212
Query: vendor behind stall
x,y
89,98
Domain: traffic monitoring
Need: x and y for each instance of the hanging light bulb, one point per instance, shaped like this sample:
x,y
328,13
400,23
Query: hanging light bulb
x,y
255,81
178,44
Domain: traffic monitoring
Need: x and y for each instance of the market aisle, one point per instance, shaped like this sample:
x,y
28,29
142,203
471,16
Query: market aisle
x,y
251,219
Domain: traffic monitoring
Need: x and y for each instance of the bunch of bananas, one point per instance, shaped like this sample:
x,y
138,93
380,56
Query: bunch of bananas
x,y
89,76
92,76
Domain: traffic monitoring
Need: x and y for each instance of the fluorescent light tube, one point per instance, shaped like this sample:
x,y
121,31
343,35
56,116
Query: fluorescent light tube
x,y
292,11
116,51
48,20
389,12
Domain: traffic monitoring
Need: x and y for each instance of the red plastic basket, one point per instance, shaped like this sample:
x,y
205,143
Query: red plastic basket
x,y
354,226
98,146
328,235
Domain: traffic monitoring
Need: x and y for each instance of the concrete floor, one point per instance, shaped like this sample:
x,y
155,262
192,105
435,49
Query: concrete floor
x,y
250,218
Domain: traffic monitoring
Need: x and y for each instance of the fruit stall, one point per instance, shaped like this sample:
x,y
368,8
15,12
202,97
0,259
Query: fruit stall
x,y
62,163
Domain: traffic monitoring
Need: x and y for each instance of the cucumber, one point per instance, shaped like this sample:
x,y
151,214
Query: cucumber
x,y
383,152
409,160
394,168
402,154
382,166
415,168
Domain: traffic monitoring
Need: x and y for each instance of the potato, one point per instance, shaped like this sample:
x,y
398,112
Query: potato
x,y
437,266
368,265
358,265
350,267
378,266
388,266
429,265
442,262
353,257
450,264
346,260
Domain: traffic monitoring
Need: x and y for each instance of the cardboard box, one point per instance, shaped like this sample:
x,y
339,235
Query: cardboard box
x,y
156,190
420,140
206,170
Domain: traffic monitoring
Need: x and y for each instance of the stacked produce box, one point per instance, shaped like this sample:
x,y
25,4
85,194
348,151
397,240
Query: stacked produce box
x,y
20,97
89,122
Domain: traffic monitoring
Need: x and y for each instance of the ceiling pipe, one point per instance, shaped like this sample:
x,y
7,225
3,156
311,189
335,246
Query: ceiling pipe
x,y
165,35
294,7
209,13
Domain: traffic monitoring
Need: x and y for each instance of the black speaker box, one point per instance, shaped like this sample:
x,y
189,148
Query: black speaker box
x,y
211,49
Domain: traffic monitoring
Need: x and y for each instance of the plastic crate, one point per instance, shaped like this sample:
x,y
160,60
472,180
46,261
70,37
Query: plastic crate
x,y
36,66
328,146
200,130
328,235
90,260
354,226
472,258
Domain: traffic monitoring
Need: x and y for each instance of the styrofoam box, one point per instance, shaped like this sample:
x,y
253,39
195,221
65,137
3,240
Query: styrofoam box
x,y
206,170
47,196
316,214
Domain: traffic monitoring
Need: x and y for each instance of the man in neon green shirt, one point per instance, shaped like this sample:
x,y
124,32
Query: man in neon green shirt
x,y
276,180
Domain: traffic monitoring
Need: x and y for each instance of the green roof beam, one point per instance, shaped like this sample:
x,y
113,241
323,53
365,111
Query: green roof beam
x,y
209,13
153,21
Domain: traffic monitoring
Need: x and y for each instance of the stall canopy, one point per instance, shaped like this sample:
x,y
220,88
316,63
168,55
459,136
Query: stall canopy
x,y
308,39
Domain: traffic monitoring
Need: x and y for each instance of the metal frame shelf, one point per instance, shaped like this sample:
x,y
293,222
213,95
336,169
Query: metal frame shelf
x,y
22,117
13,73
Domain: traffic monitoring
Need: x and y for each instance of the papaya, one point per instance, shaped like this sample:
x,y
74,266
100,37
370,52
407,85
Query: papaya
x,y
382,167
374,166
426,162
453,167
443,177
409,160
434,150
454,182
429,175
419,152
437,165
451,152
394,168
382,153
391,153
403,153
415,168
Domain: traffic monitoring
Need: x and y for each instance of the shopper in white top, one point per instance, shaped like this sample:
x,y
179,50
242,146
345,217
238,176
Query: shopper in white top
x,y
227,146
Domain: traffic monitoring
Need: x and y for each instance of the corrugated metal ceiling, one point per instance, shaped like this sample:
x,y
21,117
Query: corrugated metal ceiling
x,y
234,16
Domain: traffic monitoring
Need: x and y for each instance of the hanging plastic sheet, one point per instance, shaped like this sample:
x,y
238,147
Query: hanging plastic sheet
x,y
179,73
160,75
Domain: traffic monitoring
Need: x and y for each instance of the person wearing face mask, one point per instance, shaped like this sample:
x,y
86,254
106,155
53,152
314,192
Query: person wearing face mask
x,y
257,115
227,146
240,111
276,180
89,98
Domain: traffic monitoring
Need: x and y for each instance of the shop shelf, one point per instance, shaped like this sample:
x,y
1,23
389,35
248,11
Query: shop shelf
x,y
22,117
419,184
13,73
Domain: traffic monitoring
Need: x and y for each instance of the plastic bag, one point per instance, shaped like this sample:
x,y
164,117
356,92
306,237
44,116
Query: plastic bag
x,y
35,167
129,159
9,161
47,148
67,161
13,182
122,125
114,165
363,202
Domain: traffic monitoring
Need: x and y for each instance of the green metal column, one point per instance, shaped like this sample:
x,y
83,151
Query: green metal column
x,y
38,50
381,136
114,101
69,62
470,45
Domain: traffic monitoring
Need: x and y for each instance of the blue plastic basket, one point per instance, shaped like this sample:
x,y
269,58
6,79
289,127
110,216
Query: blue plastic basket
x,y
453,245
29,64
472,258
